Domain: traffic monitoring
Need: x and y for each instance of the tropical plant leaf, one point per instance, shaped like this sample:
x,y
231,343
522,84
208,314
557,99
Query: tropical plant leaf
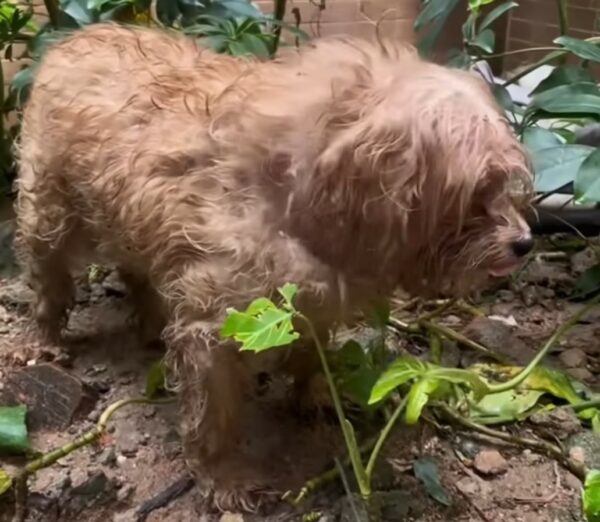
x,y
398,373
13,430
556,167
581,48
538,138
5,481
427,471
418,397
496,13
435,14
564,75
573,99
485,40
587,180
507,405
263,325
155,379
591,496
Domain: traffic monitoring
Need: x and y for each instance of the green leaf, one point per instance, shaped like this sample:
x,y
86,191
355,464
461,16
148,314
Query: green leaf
x,y
155,379
436,13
503,97
418,397
538,138
485,40
476,5
596,423
398,373
288,292
581,48
507,405
591,496
588,281
5,482
496,13
13,430
564,75
577,98
263,325
426,470
556,167
587,181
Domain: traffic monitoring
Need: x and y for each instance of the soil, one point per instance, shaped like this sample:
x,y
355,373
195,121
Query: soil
x,y
141,456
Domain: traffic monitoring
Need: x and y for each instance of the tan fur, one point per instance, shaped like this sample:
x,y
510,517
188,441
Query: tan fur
x,y
348,168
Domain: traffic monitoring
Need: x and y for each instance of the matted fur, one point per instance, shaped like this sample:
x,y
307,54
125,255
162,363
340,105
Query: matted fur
x,y
349,168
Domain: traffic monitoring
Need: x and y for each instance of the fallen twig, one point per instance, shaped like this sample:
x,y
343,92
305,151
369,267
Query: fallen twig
x,y
165,497
47,459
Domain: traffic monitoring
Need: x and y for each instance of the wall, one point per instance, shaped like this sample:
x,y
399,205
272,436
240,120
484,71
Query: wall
x,y
535,23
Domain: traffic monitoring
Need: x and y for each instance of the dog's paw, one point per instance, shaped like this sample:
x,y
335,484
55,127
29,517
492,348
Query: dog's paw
x,y
247,498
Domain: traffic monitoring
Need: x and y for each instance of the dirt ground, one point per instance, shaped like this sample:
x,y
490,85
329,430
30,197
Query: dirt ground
x,y
141,455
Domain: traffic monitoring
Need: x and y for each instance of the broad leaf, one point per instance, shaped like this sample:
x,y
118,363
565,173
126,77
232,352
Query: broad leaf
x,y
427,471
591,496
435,14
578,98
13,430
496,13
155,379
587,181
398,373
583,49
485,40
508,405
556,167
564,75
588,281
418,397
538,138
263,325
288,292
5,481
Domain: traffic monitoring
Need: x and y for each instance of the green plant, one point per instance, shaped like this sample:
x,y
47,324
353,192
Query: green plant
x,y
235,27
266,325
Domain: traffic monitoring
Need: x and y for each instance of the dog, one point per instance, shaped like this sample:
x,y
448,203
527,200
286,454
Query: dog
x,y
350,168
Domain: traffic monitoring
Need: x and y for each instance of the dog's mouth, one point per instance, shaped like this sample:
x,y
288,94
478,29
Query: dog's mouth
x,y
504,269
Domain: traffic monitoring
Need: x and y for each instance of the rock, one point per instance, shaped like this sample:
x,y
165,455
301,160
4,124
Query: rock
x,y
577,453
580,374
588,447
125,492
95,492
500,338
506,296
126,516
490,462
108,457
573,358
467,486
121,459
128,443
560,422
582,261
54,397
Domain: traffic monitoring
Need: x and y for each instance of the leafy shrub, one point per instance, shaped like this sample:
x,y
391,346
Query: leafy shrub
x,y
235,27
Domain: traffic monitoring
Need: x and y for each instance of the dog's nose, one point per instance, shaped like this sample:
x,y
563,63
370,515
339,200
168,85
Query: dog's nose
x,y
522,247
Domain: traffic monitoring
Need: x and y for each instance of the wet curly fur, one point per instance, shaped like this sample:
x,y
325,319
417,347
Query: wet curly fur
x,y
350,168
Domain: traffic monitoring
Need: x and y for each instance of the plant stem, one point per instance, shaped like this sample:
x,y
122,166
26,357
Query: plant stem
x,y
383,436
53,12
349,438
279,15
538,445
563,16
560,332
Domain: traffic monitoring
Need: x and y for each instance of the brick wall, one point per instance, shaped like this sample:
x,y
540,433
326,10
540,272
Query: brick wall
x,y
535,23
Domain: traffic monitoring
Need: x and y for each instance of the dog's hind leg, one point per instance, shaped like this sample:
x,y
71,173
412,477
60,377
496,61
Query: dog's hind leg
x,y
45,227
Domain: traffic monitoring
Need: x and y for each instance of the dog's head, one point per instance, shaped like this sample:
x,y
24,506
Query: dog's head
x,y
425,161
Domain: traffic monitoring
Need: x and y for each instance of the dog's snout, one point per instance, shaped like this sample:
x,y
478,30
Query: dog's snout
x,y
521,247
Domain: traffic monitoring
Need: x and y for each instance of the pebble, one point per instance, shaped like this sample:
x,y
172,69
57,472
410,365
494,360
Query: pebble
x,y
577,453
573,358
580,374
125,492
490,462
108,457
121,459
467,486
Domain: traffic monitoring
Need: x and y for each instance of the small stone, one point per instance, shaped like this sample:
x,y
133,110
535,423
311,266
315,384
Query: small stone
x,y
121,459
490,462
125,492
573,358
577,453
467,486
113,285
150,412
506,296
580,374
231,517
108,457
130,515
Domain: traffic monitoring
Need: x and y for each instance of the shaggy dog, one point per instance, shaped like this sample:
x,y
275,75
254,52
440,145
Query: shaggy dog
x,y
351,169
